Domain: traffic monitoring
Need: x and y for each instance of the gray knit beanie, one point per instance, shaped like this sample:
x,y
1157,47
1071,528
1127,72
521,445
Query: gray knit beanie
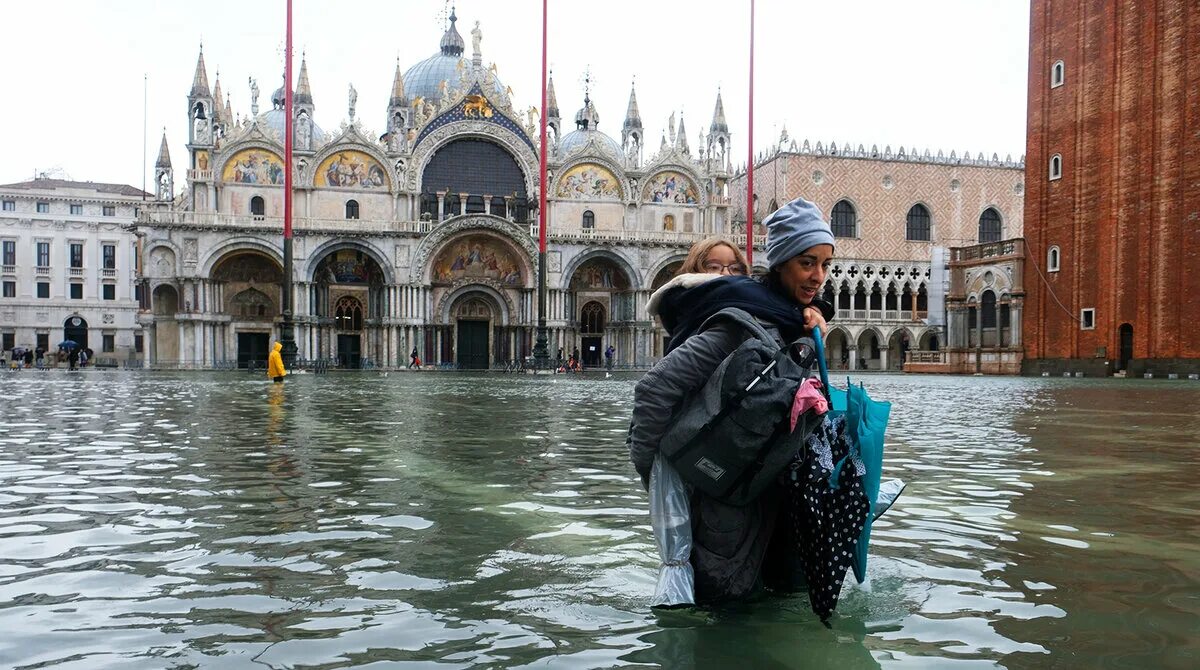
x,y
793,228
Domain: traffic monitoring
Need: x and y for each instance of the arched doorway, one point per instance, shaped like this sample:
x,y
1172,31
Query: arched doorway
x,y
868,351
591,332
250,284
348,323
473,315
898,346
601,304
347,296
1125,332
837,350
164,301
75,328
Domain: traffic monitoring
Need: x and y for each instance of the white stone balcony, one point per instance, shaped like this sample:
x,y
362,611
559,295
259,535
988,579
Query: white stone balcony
x,y
108,273
8,269
75,272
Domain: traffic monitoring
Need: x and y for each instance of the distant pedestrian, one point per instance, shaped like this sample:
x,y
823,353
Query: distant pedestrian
x,y
73,359
608,356
275,370
414,360
28,358
40,357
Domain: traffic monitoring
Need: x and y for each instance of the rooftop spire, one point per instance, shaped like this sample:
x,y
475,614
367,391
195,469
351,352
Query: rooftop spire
x,y
552,101
200,81
452,42
217,111
164,156
718,123
398,99
681,137
303,90
633,117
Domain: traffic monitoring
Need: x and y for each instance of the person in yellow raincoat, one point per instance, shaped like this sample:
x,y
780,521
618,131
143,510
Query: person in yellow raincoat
x,y
275,368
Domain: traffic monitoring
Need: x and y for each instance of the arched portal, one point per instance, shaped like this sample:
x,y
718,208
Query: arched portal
x,y
868,351
347,296
837,350
164,301
664,275
249,283
600,293
75,329
474,315
898,345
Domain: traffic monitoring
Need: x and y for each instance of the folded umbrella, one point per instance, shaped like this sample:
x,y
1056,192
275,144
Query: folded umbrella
x,y
866,421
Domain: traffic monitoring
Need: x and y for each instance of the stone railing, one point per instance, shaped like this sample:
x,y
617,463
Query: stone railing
x,y
1013,247
666,237
218,220
914,356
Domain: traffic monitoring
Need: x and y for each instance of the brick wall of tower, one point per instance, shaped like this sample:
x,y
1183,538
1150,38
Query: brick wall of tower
x,y
1126,212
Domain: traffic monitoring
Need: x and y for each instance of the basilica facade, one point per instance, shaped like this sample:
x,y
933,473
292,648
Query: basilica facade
x,y
423,237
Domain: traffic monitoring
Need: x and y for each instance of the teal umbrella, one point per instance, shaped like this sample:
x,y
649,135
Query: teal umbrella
x,y
866,421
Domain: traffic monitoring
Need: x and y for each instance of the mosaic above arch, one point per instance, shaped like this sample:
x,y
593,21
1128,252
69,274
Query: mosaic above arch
x,y
351,169
589,181
349,266
477,257
599,274
673,187
254,166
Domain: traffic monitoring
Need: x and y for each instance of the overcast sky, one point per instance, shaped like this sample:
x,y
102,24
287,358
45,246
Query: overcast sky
x,y
942,74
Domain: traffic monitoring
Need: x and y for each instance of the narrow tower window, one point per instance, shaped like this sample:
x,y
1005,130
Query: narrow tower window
x,y
1052,258
1057,74
1056,167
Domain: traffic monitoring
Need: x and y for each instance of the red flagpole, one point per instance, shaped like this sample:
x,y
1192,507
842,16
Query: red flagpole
x,y
750,150
287,336
541,350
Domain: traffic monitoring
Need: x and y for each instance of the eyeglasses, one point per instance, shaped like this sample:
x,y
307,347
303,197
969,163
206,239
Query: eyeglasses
x,y
716,268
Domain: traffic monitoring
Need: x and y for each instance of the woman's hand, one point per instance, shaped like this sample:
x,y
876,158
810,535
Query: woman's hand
x,y
814,319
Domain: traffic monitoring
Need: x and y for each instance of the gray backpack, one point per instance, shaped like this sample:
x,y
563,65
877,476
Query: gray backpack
x,y
733,437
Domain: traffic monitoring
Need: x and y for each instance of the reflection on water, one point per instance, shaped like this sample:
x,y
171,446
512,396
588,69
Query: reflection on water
x,y
159,520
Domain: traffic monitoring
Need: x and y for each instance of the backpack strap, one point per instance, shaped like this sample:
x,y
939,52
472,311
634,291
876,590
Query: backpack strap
x,y
740,317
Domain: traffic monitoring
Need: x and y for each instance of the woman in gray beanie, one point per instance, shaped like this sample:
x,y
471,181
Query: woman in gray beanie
x,y
735,551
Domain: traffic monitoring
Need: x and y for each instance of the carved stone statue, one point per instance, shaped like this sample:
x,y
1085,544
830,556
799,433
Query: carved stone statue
x,y
200,134
253,96
303,132
476,38
532,115
353,100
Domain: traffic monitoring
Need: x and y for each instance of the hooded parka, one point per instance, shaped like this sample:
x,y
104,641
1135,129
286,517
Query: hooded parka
x,y
275,369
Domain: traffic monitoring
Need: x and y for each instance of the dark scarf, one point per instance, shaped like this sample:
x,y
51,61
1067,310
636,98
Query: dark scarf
x,y
684,310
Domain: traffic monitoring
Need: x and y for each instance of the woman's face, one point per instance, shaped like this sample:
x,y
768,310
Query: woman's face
x,y
804,274
721,260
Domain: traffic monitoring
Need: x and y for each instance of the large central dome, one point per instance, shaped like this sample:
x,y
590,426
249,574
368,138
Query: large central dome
x,y
425,78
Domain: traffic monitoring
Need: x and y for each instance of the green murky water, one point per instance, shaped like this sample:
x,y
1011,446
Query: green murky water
x,y
444,520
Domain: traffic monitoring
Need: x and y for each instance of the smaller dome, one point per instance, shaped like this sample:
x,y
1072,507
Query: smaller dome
x,y
578,138
452,43
275,119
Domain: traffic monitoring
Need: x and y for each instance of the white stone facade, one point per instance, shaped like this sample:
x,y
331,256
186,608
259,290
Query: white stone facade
x,y
69,266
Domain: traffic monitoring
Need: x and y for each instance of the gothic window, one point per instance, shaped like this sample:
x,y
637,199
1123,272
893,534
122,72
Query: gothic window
x,y
589,220
844,220
989,226
1056,167
348,314
669,222
1058,74
257,206
1052,259
890,301
876,298
351,209
917,228
844,297
860,297
592,318
922,301
987,309
827,294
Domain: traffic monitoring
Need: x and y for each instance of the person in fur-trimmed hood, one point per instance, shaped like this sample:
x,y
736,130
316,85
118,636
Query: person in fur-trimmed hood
x,y
729,553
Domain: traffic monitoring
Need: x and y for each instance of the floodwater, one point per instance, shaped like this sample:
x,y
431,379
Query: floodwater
x,y
420,520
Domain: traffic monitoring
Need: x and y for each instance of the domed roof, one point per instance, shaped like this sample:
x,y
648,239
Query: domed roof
x,y
578,138
425,78
275,120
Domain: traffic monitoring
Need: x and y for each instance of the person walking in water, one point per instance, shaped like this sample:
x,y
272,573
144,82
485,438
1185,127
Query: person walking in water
x,y
414,360
275,369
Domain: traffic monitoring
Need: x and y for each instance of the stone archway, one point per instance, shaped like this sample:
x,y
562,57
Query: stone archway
x,y
248,288
474,316
164,303
600,301
869,350
899,344
348,296
837,350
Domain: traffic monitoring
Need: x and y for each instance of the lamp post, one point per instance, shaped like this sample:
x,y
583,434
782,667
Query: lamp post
x,y
286,335
750,163
541,351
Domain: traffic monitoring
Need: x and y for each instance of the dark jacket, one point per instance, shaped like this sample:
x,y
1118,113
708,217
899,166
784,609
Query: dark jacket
x,y
730,544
